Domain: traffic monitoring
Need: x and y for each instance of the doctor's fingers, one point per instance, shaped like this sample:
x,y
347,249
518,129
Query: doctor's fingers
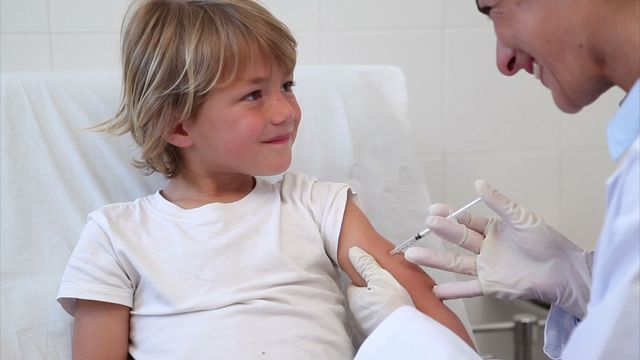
x,y
456,233
462,264
364,264
373,274
475,222
458,290
440,209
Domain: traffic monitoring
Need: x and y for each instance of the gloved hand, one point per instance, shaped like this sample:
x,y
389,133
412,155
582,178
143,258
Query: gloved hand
x,y
383,295
518,256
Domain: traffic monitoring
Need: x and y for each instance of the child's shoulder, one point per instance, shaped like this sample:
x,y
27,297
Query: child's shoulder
x,y
299,180
298,184
123,209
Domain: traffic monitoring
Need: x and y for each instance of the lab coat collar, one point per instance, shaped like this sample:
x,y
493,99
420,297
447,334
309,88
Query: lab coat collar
x,y
624,128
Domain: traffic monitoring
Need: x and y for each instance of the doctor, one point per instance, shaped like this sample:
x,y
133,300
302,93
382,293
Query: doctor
x,y
578,49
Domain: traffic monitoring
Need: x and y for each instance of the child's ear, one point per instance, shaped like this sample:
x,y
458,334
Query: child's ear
x,y
179,136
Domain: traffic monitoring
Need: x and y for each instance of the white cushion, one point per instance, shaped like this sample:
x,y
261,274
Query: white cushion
x,y
54,172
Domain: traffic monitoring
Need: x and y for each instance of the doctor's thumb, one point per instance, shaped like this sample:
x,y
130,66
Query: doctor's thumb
x,y
458,290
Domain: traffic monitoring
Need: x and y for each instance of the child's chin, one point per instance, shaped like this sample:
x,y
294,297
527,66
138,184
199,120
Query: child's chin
x,y
276,170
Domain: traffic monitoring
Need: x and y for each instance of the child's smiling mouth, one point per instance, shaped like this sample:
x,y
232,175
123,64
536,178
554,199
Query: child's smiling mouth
x,y
279,139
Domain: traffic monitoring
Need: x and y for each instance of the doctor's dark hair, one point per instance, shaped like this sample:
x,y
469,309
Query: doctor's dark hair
x,y
174,53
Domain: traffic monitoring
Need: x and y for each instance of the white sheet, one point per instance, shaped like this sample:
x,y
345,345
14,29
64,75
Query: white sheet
x,y
354,129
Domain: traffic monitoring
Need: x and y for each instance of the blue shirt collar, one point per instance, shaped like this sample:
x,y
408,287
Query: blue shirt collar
x,y
624,128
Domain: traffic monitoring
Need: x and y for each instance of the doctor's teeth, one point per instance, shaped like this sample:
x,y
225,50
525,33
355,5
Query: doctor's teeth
x,y
536,70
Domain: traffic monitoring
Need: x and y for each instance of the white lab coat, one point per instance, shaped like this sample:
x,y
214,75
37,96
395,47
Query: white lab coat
x,y
611,328
409,334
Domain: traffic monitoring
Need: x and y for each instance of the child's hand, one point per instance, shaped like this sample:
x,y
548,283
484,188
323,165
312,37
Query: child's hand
x,y
383,295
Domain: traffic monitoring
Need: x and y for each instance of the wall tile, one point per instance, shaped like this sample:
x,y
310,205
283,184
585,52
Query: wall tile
x,y
297,15
532,179
24,16
85,52
381,14
27,52
308,46
485,111
434,175
464,14
468,120
87,15
588,128
582,196
421,64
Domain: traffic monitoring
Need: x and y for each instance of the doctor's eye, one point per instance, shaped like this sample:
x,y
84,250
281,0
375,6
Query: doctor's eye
x,y
254,95
288,86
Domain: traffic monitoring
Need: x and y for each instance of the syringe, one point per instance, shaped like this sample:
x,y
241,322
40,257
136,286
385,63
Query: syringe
x,y
405,245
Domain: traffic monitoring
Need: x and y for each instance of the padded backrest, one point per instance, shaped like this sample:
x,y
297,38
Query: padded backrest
x,y
54,172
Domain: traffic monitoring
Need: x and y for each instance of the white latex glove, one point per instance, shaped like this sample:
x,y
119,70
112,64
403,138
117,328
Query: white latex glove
x,y
383,295
518,256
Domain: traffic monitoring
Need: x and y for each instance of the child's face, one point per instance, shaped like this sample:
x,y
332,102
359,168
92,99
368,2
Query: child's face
x,y
247,126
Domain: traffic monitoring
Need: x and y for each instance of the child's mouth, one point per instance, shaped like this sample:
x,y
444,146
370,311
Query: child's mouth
x,y
280,139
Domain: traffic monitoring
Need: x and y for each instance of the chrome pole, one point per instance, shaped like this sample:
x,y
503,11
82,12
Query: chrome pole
x,y
525,337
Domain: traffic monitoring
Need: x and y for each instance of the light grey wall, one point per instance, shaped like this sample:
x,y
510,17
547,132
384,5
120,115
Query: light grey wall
x,y
469,121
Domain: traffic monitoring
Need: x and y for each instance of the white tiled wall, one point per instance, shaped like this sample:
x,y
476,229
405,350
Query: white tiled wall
x,y
468,120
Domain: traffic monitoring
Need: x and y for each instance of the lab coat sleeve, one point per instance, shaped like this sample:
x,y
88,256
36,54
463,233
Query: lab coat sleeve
x,y
558,328
409,334
560,325
611,329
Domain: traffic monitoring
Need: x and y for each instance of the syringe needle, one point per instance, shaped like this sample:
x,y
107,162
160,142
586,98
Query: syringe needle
x,y
402,247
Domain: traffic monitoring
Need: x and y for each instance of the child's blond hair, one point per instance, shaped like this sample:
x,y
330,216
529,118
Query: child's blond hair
x,y
174,53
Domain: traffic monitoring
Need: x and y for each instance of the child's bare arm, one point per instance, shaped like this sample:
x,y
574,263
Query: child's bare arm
x,y
357,231
100,330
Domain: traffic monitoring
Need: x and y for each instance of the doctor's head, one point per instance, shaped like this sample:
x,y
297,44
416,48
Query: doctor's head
x,y
179,57
558,40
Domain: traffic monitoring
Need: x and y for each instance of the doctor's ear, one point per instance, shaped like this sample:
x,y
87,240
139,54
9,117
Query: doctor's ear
x,y
179,136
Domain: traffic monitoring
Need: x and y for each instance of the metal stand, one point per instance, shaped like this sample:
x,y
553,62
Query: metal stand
x,y
523,327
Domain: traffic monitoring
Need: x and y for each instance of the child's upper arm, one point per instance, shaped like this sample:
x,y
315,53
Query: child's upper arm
x,y
100,330
357,231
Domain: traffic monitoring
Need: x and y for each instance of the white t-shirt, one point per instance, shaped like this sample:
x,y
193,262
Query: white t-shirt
x,y
252,279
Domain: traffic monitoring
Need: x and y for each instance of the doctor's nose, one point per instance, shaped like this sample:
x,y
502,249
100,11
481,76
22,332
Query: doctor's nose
x,y
510,61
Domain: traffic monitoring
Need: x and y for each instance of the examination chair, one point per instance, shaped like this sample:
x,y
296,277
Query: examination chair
x,y
54,172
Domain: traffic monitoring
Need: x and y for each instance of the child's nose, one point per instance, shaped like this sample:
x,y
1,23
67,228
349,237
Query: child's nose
x,y
282,110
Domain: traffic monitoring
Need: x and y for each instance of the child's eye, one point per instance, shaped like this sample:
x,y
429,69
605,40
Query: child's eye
x,y
253,96
288,86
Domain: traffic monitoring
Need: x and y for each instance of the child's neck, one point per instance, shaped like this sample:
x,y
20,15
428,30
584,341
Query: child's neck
x,y
189,192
